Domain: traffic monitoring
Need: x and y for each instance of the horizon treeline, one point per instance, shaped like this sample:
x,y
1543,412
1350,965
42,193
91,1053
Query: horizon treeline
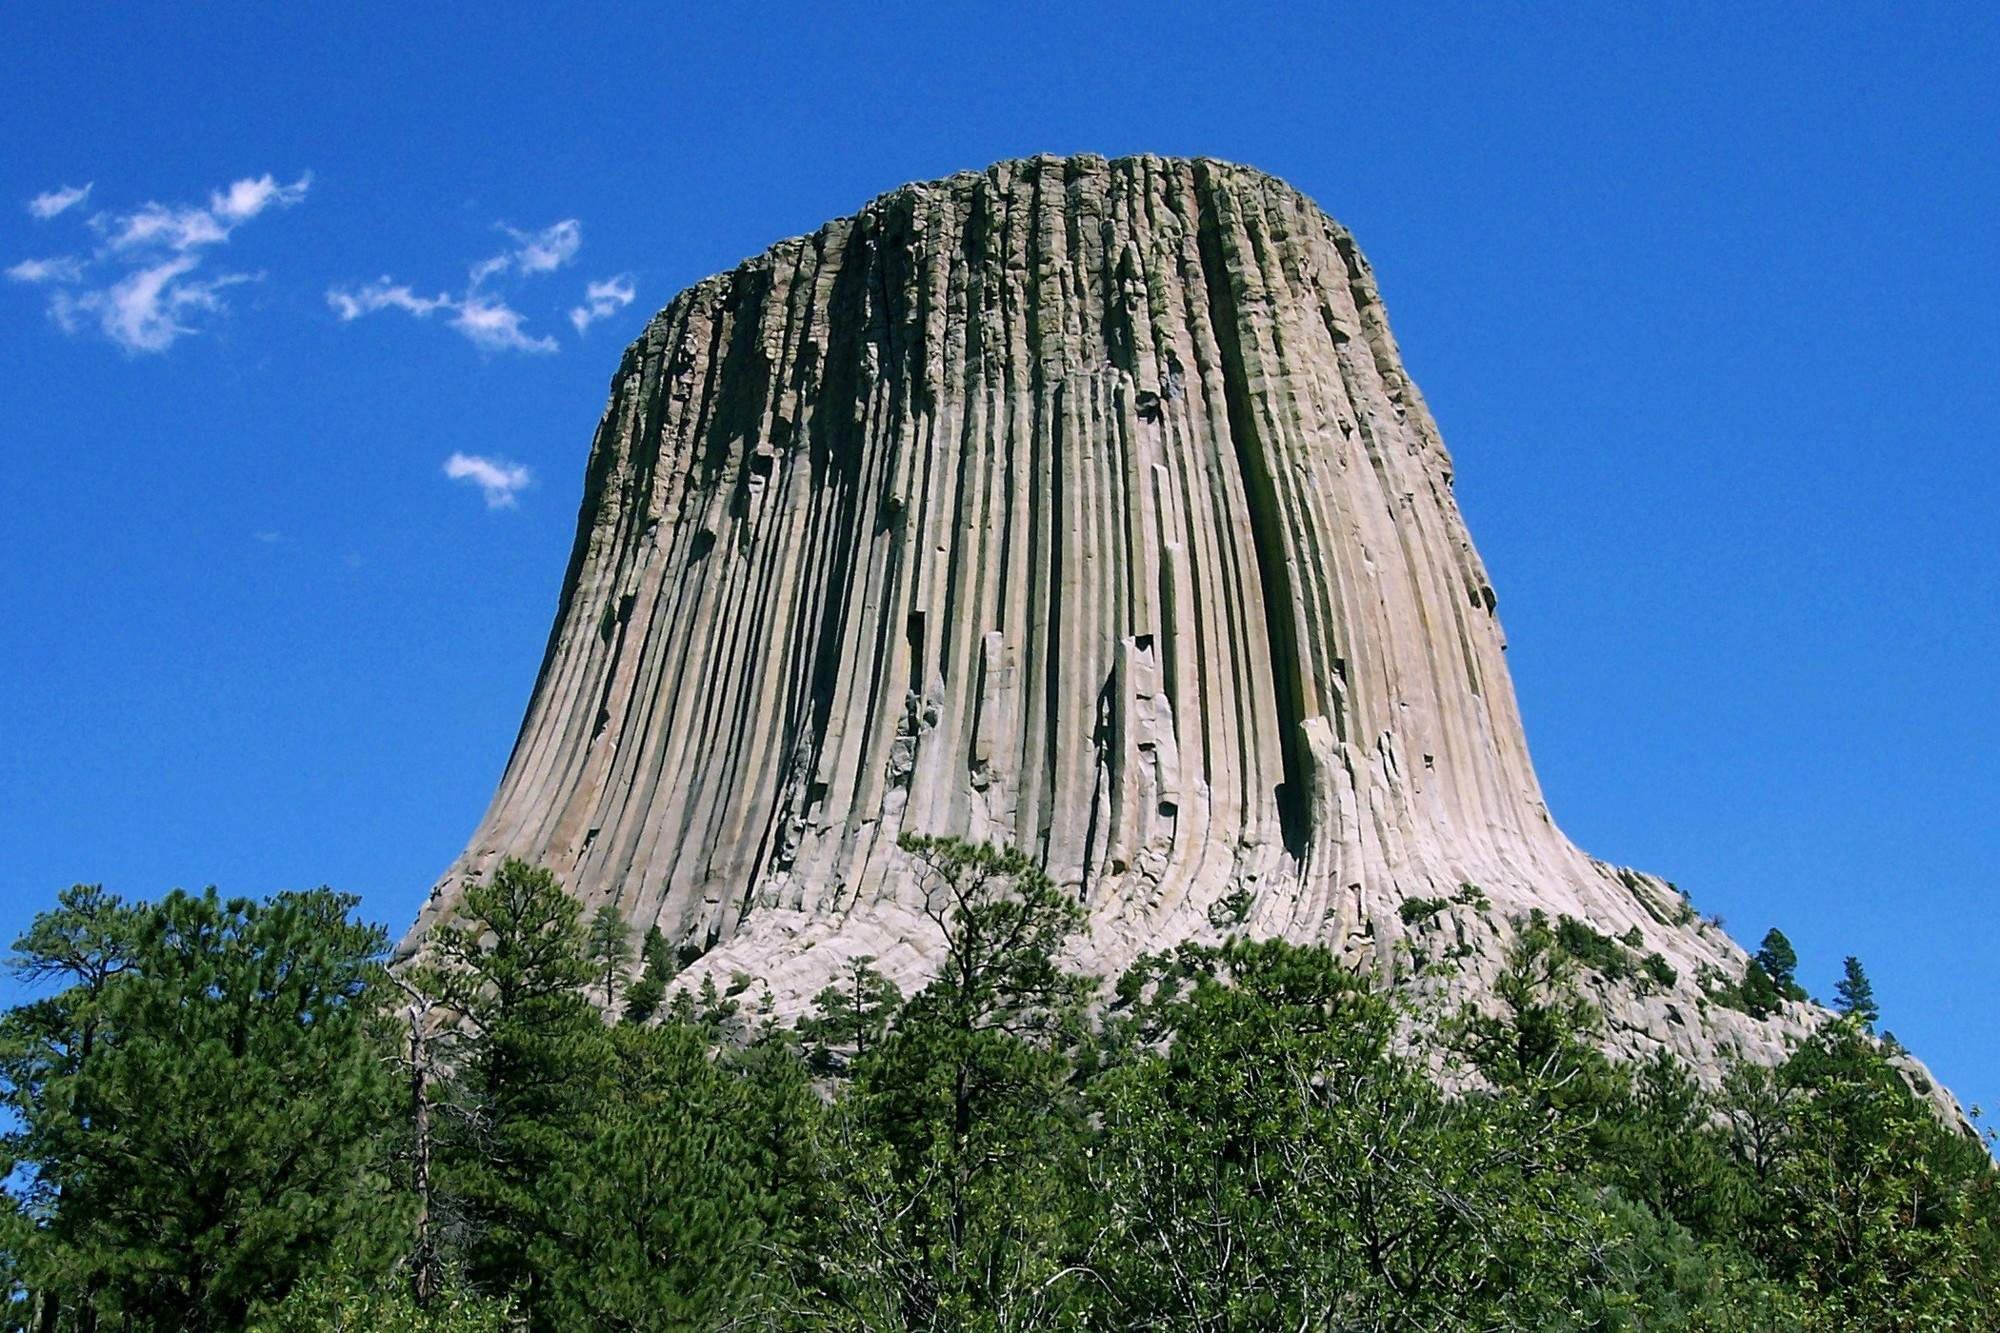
x,y
228,1114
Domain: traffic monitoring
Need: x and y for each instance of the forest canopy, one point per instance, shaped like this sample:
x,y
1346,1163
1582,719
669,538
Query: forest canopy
x,y
228,1114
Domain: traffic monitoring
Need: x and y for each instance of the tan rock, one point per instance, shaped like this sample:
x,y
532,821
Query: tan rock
x,y
1076,503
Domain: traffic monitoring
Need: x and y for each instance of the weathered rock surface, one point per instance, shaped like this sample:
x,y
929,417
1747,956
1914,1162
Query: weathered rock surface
x,y
1077,503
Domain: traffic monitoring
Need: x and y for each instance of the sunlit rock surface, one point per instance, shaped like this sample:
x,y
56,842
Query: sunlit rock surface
x,y
1080,504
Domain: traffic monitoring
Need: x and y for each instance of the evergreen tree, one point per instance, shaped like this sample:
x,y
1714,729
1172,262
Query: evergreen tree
x,y
1280,1165
86,941
608,945
850,1017
1248,1137
1855,995
1780,962
203,1111
338,1302
1758,993
658,964
1876,1212
1665,1154
954,1152
533,1056
1537,1042
668,1213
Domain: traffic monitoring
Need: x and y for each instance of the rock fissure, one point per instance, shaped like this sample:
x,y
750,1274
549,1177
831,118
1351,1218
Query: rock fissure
x,y
1268,525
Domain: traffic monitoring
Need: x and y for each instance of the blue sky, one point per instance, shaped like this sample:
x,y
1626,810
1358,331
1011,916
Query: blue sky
x,y
1707,304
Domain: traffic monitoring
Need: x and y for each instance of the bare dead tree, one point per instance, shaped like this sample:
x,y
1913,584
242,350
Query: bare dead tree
x,y
424,1277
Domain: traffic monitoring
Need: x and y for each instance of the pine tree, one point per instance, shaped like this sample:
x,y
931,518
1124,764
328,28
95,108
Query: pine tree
x,y
956,1138
1248,1181
1779,960
608,945
658,966
663,1214
1538,1041
206,1108
850,1017
85,943
1855,996
1759,992
533,1058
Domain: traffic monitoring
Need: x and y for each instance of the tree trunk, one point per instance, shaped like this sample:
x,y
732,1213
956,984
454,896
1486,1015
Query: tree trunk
x,y
423,1251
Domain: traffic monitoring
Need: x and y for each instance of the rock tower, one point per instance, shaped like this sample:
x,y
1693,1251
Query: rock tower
x,y
1080,504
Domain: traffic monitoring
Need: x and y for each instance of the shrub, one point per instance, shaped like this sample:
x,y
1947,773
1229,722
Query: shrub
x,y
1416,911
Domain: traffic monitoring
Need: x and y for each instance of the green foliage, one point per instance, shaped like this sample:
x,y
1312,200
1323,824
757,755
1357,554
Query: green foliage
x,y
849,1018
668,1208
1874,1211
532,1057
1002,921
1415,911
1244,1137
336,1302
658,965
1278,1165
608,946
201,1112
1535,1045
954,1155
1593,948
1661,1154
1758,994
1778,959
1754,993
1855,995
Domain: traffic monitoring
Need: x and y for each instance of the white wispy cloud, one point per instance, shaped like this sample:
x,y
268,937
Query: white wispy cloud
x,y
548,249
485,319
384,294
190,226
147,310
542,251
489,322
140,285
61,268
607,296
497,479
51,202
495,326
183,227
245,199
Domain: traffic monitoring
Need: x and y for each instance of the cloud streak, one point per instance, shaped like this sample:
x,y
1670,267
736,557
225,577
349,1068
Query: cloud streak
x,y
497,479
140,286
487,321
602,298
495,326
147,310
61,268
51,203
484,319
384,294
187,227
549,249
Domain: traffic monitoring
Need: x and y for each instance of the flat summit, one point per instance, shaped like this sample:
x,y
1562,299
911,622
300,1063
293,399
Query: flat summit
x,y
1080,504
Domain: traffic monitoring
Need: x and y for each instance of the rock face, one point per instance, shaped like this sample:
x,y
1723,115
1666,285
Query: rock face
x,y
1080,504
